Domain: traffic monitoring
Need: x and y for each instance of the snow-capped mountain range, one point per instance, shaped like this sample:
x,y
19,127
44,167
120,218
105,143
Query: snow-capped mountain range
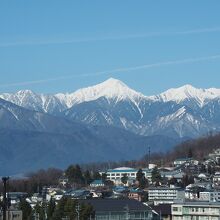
x,y
178,112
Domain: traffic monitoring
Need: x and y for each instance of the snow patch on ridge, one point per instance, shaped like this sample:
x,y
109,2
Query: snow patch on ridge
x,y
110,89
200,96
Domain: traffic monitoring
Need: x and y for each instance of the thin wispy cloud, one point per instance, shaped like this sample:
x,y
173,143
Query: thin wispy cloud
x,y
106,38
118,70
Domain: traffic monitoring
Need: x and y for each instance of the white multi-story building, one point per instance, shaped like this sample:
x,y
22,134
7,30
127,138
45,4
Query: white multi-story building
x,y
180,161
186,161
210,196
177,174
215,156
195,211
165,195
216,178
116,174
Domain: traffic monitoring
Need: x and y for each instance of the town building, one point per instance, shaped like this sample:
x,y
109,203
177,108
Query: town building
x,y
195,210
136,194
216,178
165,195
119,209
215,156
210,196
180,161
12,215
97,183
116,174
177,174
192,190
163,211
187,161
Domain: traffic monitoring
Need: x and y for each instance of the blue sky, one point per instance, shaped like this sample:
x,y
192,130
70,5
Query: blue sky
x,y
60,46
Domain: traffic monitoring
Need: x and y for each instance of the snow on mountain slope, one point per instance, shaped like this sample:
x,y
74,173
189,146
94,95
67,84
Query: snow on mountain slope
x,y
33,101
110,89
201,96
185,110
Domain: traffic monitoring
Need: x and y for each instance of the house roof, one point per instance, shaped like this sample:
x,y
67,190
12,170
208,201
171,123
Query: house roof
x,y
113,205
183,159
163,209
165,188
96,182
128,169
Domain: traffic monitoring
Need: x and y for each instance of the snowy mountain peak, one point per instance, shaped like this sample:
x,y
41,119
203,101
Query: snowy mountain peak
x,y
112,82
110,89
26,91
188,92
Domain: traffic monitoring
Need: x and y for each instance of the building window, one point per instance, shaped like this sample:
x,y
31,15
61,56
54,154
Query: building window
x,y
175,209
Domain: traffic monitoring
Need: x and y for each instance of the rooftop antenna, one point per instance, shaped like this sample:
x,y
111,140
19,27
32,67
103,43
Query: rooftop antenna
x,y
148,157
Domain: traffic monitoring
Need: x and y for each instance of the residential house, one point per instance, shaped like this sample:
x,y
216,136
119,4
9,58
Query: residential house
x,y
136,194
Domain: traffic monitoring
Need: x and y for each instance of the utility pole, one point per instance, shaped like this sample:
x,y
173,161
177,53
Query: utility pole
x,y
4,180
148,157
78,211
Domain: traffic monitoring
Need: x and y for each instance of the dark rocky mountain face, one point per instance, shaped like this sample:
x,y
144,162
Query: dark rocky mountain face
x,y
108,121
32,140
148,118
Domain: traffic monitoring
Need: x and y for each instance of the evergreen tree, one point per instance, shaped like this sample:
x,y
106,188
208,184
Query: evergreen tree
x,y
59,210
139,175
155,176
186,180
190,153
86,211
96,176
26,209
74,174
104,177
51,208
124,178
70,208
173,181
39,210
143,182
87,177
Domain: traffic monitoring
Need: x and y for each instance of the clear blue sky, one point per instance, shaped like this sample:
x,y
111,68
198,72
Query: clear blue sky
x,y
42,40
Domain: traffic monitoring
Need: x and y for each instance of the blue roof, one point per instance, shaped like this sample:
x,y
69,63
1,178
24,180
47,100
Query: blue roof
x,y
97,182
120,171
183,158
127,170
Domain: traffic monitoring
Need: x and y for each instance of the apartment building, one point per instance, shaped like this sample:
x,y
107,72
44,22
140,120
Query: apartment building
x,y
195,210
116,174
165,195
